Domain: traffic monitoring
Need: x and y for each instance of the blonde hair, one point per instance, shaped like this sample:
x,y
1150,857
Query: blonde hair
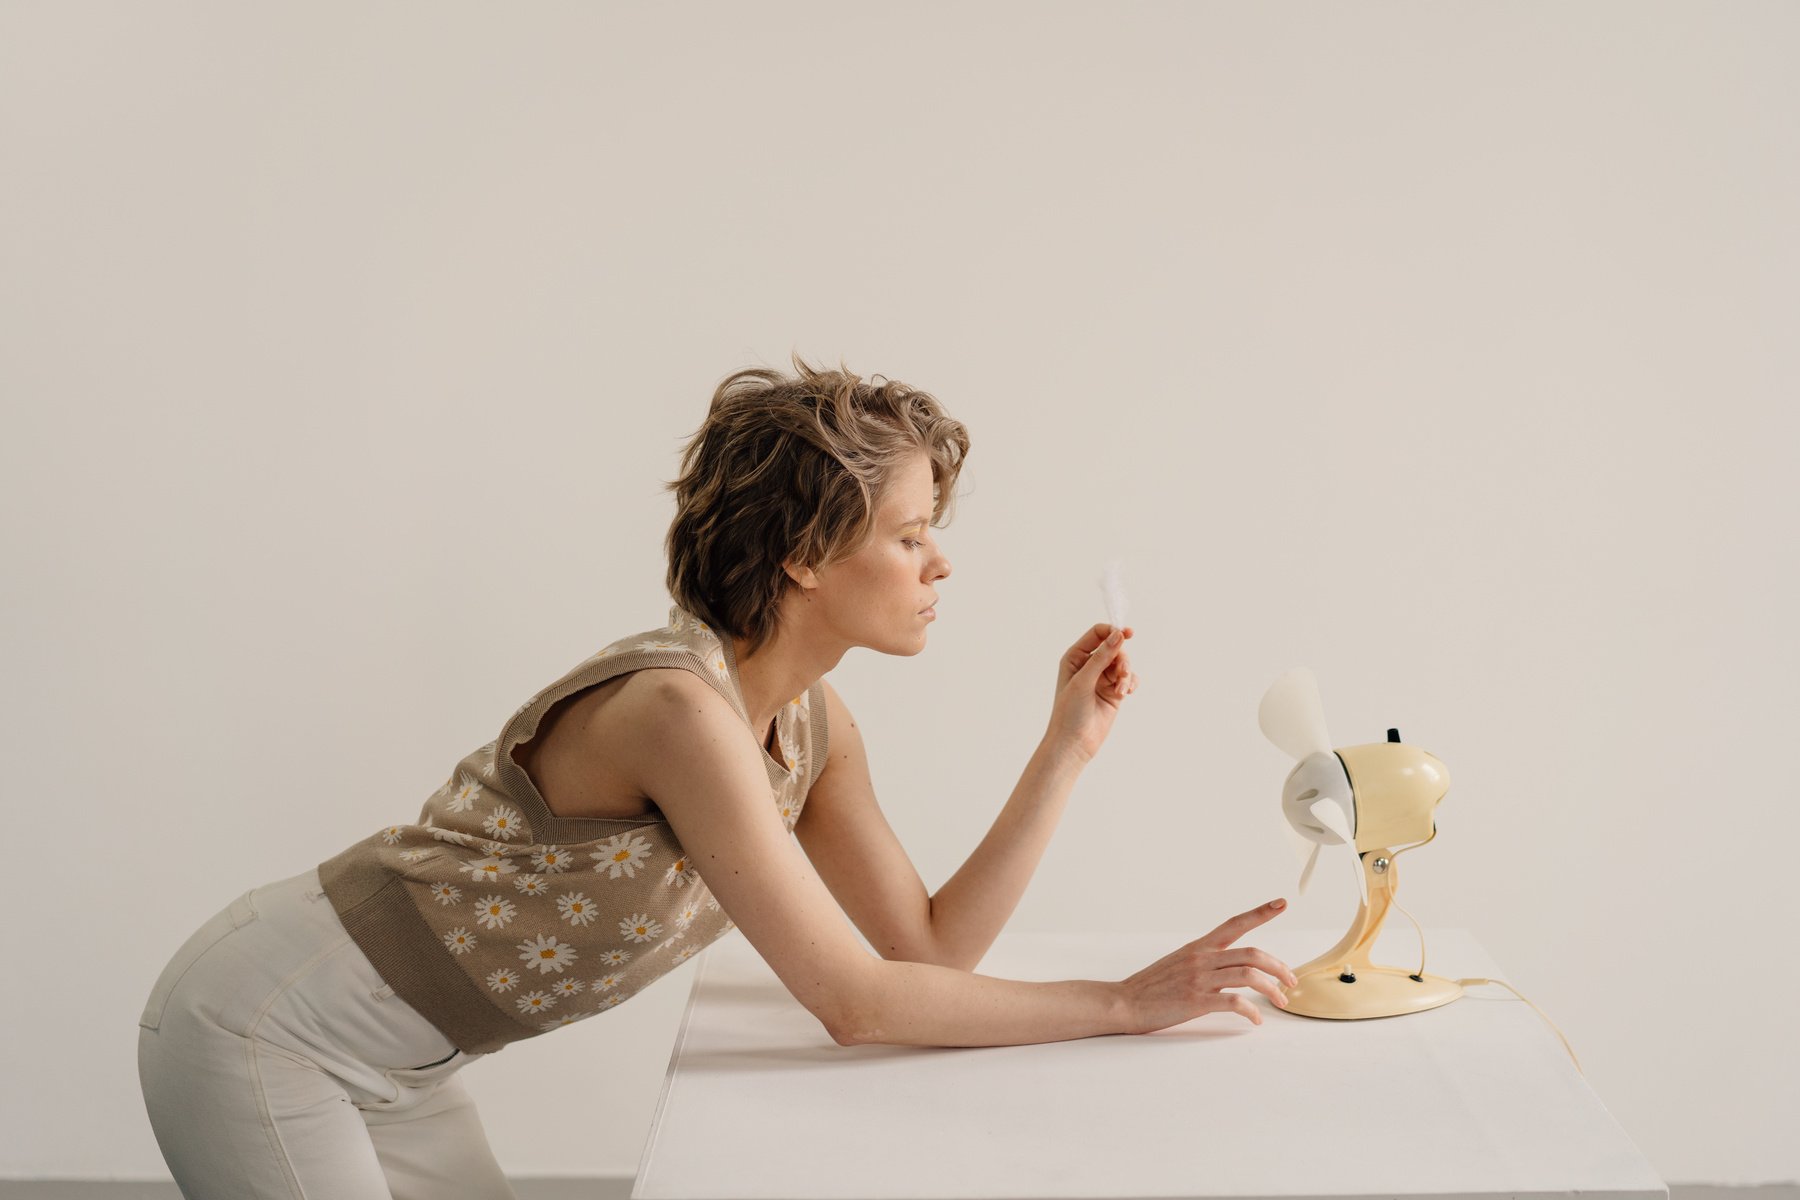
x,y
793,468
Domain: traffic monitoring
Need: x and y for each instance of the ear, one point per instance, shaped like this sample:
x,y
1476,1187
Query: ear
x,y
803,576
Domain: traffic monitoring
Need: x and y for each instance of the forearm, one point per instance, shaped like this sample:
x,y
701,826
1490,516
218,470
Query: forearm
x,y
923,1004
969,911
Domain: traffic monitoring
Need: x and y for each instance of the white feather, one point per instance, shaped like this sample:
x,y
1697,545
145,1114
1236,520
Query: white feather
x,y
1112,586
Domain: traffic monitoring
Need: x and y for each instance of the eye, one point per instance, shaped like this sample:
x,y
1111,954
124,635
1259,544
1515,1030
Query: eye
x,y
914,543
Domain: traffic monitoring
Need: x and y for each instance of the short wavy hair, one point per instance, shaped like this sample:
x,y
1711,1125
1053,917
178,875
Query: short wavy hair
x,y
793,468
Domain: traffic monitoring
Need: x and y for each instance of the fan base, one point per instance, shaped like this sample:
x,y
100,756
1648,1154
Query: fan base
x,y
1377,992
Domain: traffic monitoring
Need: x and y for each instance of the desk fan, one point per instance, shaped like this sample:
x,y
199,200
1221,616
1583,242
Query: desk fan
x,y
1372,798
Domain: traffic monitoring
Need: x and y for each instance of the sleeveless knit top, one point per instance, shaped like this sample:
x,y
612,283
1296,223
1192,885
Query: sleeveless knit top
x,y
498,920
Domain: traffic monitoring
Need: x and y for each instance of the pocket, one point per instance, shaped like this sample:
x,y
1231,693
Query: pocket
x,y
236,915
414,1085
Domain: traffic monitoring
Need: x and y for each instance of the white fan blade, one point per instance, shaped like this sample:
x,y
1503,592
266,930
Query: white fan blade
x,y
1331,815
1302,850
1292,717
1312,860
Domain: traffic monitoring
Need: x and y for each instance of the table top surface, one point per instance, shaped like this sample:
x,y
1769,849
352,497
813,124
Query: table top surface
x,y
1475,1098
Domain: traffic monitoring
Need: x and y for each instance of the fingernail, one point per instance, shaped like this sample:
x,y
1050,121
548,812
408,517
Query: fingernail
x,y
1279,904
1114,639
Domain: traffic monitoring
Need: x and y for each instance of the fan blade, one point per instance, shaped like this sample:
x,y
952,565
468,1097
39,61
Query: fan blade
x,y
1330,814
1302,849
1305,873
1291,715
1312,860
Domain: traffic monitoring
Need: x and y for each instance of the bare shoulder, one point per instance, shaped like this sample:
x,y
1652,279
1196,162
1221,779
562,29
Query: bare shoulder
x,y
665,707
834,703
842,738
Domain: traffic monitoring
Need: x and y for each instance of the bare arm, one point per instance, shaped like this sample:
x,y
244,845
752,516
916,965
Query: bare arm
x,y
855,852
700,764
921,1004
972,907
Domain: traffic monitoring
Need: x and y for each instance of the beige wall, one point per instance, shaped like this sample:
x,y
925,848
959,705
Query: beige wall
x,y
1447,349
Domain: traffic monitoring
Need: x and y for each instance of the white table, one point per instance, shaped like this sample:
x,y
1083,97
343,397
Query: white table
x,y
1477,1098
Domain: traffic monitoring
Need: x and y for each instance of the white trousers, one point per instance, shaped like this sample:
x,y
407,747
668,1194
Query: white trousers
x,y
276,1063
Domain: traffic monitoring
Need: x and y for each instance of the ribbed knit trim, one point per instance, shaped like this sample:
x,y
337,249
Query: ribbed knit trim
x,y
381,920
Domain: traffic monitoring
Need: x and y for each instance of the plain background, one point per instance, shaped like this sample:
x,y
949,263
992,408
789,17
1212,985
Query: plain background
x,y
1447,349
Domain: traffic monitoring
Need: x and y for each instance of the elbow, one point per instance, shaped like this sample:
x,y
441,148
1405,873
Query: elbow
x,y
856,1019
847,1030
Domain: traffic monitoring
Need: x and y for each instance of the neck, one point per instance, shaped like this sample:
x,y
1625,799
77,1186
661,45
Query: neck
x,y
784,667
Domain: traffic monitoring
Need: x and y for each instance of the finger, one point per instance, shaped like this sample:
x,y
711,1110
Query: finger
x,y
1275,967
1096,635
1241,924
1249,977
1101,657
1092,640
1270,988
1262,964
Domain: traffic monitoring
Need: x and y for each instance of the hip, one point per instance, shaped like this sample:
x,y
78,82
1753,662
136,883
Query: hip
x,y
276,965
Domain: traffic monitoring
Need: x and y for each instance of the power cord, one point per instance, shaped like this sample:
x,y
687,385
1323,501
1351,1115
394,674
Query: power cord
x,y
1497,982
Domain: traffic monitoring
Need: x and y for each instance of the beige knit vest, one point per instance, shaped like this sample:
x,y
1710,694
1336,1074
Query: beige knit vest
x,y
498,920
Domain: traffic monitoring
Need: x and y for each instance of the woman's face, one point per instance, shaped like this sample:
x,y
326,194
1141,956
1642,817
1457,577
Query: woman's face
x,y
876,597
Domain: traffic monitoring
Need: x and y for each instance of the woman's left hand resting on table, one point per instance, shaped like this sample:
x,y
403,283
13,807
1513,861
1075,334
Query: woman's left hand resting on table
x,y
1092,679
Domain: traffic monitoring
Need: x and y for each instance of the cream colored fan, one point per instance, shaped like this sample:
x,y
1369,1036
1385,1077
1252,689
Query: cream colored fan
x,y
1376,800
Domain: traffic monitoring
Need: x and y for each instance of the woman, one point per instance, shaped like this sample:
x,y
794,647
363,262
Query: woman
x,y
308,1039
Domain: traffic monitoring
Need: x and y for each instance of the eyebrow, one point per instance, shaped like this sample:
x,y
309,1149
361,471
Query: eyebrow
x,y
910,521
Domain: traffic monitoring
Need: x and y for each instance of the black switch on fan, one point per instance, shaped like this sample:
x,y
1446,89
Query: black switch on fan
x,y
1393,735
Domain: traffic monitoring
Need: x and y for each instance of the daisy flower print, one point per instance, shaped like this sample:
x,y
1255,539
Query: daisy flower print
x,y
503,980
452,836
638,927
577,909
536,1002
494,911
459,941
446,893
532,885
681,872
503,822
567,987
468,790
551,859
565,1019
488,870
547,954
622,854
